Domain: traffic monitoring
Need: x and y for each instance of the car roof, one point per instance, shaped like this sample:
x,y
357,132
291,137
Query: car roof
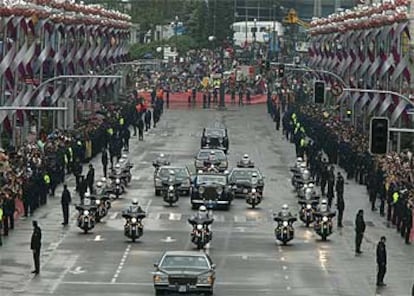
x,y
184,253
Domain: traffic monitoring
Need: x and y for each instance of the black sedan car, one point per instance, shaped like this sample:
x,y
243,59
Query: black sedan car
x,y
241,180
182,176
184,272
211,190
215,138
204,156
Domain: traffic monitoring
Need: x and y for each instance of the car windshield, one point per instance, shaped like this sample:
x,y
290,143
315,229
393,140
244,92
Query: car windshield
x,y
193,262
209,179
179,172
244,174
205,153
214,133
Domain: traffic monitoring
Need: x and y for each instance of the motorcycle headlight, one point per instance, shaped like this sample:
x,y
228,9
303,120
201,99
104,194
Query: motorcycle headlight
x,y
285,223
199,226
86,212
98,202
253,190
117,181
201,190
219,190
171,188
325,219
134,220
308,207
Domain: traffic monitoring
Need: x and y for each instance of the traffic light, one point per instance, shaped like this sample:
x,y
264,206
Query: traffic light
x,y
378,137
281,70
319,92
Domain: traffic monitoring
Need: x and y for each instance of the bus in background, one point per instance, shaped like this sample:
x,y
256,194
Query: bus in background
x,y
264,28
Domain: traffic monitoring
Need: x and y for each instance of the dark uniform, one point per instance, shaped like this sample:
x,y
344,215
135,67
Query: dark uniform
x,y
35,244
65,201
381,261
359,231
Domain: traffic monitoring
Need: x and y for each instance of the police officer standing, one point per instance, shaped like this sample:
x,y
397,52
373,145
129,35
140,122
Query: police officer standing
x,y
65,201
90,177
35,244
147,117
381,261
359,231
1,222
104,158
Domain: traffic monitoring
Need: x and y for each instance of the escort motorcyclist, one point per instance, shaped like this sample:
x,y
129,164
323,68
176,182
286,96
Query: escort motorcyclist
x,y
284,215
134,210
245,162
160,161
202,217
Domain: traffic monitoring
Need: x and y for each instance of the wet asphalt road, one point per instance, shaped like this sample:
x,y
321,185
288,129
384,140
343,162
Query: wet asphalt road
x,y
249,260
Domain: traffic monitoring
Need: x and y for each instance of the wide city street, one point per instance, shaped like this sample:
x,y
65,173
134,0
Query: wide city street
x,y
249,260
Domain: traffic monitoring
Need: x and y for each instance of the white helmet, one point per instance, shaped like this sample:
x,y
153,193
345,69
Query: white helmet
x,y
324,202
87,194
99,184
254,175
117,166
135,202
103,179
200,171
300,159
311,185
306,174
308,193
202,210
303,165
124,155
212,152
285,207
161,155
246,156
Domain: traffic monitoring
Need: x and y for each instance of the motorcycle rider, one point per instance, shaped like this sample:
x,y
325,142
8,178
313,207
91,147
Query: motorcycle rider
x,y
160,161
212,169
246,161
323,209
134,210
202,217
284,215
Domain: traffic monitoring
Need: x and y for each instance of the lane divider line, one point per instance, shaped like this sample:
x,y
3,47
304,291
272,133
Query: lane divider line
x,y
121,264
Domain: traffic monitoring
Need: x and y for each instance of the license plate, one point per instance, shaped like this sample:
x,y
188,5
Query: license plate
x,y
182,289
244,190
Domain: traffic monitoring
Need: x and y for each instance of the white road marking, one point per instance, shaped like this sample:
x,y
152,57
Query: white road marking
x,y
244,257
70,262
240,219
121,264
98,238
147,206
168,239
174,217
77,270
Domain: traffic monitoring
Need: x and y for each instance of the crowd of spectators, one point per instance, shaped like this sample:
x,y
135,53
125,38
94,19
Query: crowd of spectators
x,y
388,178
30,173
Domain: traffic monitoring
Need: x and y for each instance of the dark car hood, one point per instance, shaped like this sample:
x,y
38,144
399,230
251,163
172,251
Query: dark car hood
x,y
184,272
